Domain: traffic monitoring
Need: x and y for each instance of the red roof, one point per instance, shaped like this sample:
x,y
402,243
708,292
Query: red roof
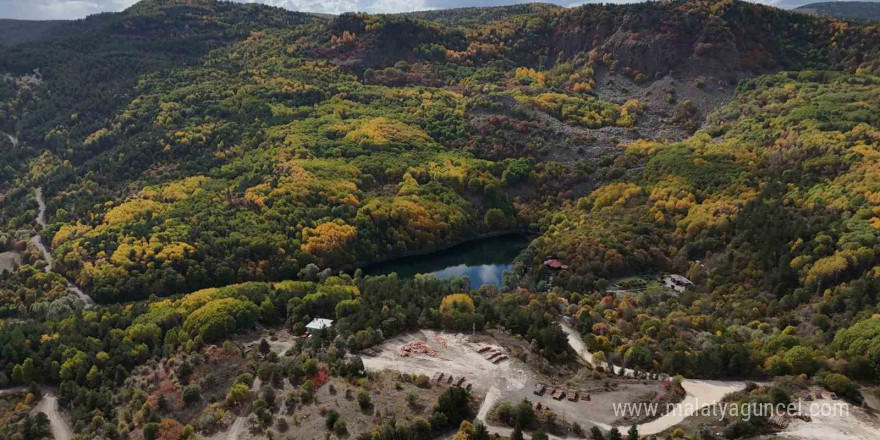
x,y
555,264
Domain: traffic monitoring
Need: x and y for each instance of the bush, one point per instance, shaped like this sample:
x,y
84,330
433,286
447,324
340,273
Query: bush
x,y
239,393
364,400
739,429
332,418
523,414
245,378
504,413
423,381
340,428
779,396
268,394
192,394
843,386
454,404
151,430
439,421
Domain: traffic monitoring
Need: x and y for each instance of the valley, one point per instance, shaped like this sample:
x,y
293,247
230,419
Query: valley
x,y
234,221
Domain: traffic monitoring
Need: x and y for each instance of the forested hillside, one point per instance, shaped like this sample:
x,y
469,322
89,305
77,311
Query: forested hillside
x,y
858,11
250,154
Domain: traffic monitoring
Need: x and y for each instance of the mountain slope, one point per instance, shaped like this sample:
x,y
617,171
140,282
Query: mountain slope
x,y
237,108
864,11
211,166
13,32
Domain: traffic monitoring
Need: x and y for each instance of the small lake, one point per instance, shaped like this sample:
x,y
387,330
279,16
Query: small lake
x,y
483,260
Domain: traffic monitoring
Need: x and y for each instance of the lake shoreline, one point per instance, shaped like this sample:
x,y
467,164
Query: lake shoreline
x,y
421,253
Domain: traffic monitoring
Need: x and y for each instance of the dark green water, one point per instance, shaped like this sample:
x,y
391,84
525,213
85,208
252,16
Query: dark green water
x,y
483,260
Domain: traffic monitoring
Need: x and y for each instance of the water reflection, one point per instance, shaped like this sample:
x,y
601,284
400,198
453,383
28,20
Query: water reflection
x,y
483,261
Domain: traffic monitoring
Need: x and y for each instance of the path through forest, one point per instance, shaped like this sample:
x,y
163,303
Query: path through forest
x,y
37,240
49,406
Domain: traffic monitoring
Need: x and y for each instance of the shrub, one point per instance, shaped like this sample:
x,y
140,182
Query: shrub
x,y
423,381
843,386
454,404
332,418
779,396
192,394
281,425
364,400
151,430
739,429
340,428
239,393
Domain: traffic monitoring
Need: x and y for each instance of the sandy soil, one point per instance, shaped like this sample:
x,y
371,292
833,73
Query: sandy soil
x,y
13,390
455,356
851,424
8,261
511,380
700,393
41,214
279,342
236,429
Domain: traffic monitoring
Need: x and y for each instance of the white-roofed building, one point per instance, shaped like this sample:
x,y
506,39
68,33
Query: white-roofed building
x,y
319,324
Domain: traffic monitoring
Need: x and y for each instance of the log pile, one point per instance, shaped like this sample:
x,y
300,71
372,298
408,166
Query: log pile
x,y
415,348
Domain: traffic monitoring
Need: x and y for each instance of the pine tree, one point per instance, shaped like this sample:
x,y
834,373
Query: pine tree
x,y
614,434
633,433
517,434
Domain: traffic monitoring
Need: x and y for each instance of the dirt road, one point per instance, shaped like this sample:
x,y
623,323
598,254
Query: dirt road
x,y
508,380
577,343
37,240
12,139
700,393
49,405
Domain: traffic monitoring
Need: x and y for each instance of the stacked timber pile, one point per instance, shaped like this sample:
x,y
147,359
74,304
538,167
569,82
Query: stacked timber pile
x,y
416,347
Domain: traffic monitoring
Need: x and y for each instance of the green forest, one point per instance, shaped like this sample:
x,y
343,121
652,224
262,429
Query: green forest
x,y
211,168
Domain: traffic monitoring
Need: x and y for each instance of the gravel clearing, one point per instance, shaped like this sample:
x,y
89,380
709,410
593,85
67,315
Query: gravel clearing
x,y
853,424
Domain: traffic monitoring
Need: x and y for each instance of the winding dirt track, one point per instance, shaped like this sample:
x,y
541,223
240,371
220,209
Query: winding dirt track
x,y
48,405
12,139
38,242
700,393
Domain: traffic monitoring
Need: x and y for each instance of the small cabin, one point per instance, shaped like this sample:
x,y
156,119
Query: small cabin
x,y
318,324
555,264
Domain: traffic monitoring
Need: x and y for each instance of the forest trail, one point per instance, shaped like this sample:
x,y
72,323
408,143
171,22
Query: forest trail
x,y
49,405
12,138
37,240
